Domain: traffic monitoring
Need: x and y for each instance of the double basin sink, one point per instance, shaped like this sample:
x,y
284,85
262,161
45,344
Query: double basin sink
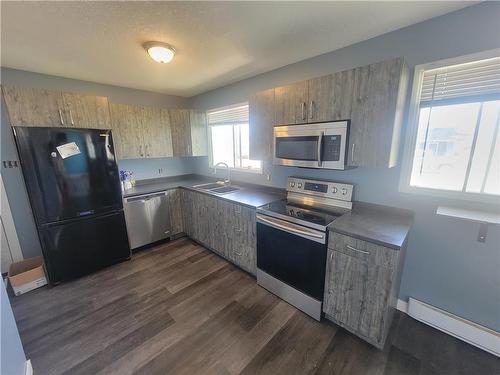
x,y
218,188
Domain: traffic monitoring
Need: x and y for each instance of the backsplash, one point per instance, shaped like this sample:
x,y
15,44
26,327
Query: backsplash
x,y
161,167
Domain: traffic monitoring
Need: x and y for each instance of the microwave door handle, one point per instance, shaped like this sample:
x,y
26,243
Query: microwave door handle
x,y
320,146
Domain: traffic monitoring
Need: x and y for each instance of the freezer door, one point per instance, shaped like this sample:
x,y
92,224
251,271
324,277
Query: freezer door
x,y
85,245
69,173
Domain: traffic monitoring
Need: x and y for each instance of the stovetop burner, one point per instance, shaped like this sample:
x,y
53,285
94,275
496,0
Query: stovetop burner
x,y
309,216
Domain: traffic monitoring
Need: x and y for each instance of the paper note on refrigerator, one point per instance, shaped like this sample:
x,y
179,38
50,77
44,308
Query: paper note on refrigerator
x,y
68,149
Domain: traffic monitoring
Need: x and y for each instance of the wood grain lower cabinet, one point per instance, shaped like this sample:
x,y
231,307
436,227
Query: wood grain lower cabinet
x,y
228,229
361,286
175,204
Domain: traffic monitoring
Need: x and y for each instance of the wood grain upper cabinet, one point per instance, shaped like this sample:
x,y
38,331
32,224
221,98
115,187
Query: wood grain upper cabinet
x,y
291,103
189,136
261,122
320,99
157,132
198,126
86,111
127,128
34,107
376,115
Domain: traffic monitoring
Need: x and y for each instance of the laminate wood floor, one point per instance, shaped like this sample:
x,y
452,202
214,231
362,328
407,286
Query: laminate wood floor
x,y
180,309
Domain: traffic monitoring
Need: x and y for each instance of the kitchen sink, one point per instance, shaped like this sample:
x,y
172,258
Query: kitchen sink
x,y
224,190
209,186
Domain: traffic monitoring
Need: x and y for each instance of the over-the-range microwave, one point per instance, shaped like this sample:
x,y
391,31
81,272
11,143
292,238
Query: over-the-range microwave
x,y
322,145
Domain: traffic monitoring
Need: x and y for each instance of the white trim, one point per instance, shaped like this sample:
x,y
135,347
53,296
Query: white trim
x,y
463,329
402,306
470,215
8,223
28,370
412,129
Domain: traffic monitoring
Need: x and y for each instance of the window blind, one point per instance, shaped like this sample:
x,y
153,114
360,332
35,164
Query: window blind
x,y
236,115
460,82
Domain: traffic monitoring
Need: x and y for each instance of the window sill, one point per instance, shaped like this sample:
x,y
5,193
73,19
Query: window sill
x,y
469,214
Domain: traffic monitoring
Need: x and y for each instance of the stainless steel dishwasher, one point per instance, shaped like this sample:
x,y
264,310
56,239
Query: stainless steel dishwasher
x,y
148,218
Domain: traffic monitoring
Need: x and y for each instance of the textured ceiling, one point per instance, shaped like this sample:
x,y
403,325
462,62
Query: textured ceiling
x,y
217,42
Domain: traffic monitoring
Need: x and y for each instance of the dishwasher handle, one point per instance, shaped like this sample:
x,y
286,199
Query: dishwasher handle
x,y
145,197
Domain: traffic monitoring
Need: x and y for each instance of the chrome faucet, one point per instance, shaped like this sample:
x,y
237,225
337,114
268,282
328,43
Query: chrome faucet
x,y
228,180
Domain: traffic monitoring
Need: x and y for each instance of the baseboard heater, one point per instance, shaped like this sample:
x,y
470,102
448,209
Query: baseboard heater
x,y
463,329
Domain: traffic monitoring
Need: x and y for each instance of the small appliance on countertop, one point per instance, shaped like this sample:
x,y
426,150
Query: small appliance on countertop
x,y
292,238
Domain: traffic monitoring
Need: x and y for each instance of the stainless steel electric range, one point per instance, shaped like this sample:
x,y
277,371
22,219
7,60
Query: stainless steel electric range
x,y
292,238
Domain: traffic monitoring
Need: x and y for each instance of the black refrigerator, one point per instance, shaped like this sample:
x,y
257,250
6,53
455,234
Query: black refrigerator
x,y
74,189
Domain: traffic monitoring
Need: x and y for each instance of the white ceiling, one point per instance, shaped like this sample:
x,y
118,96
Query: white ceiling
x,y
217,42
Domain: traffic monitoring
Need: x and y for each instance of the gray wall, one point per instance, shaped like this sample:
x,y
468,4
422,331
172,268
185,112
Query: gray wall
x,y
14,184
13,359
445,265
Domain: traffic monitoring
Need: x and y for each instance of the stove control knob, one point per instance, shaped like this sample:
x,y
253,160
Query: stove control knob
x,y
299,185
344,191
292,184
334,190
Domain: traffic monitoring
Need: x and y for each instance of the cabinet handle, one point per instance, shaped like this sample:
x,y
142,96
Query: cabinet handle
x,y
311,110
61,117
71,117
331,256
239,254
352,151
303,105
357,250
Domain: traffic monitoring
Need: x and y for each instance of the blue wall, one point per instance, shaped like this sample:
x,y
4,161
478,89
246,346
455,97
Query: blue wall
x,y
445,265
13,359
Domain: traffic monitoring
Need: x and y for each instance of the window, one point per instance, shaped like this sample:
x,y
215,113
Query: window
x,y
229,139
453,147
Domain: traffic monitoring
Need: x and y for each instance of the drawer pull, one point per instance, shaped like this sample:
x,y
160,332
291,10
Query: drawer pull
x,y
239,254
357,250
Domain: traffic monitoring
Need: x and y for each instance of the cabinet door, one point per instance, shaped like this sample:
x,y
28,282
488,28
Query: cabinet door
x,y
157,134
379,91
181,132
34,107
245,251
261,123
187,212
176,211
86,111
291,104
342,95
320,99
198,139
357,294
127,131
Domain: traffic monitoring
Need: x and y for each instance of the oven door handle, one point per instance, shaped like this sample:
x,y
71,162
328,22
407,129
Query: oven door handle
x,y
320,146
291,228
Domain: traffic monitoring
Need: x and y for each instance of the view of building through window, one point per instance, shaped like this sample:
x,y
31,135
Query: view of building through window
x,y
229,138
458,142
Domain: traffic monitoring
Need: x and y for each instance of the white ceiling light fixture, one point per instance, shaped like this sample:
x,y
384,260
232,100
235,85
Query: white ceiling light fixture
x,y
160,52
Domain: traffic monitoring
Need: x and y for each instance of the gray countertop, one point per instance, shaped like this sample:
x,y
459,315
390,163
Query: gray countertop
x,y
383,225
386,226
247,195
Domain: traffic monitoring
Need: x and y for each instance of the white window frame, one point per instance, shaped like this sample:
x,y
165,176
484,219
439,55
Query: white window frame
x,y
412,130
210,148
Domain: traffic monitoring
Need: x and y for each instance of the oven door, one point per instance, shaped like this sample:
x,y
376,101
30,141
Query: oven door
x,y
311,146
293,254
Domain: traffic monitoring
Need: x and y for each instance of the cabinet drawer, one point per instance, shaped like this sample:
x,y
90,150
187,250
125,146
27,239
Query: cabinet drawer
x,y
364,250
